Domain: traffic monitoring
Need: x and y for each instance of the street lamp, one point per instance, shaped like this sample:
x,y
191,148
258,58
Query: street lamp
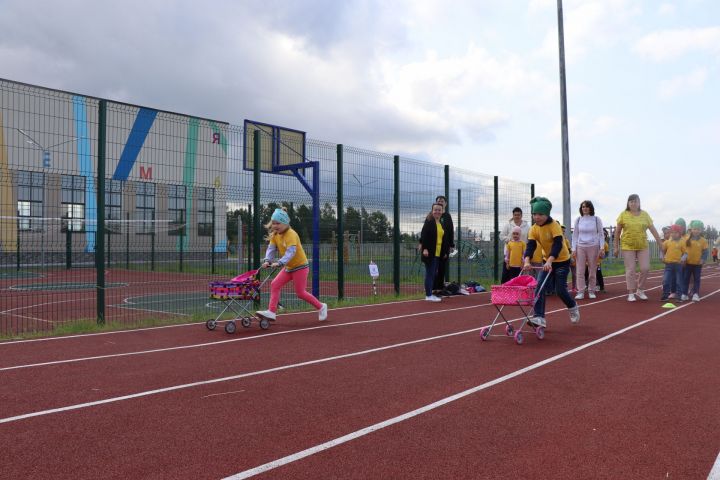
x,y
46,151
362,207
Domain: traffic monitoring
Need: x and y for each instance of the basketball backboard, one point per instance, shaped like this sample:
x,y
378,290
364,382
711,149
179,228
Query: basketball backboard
x,y
279,147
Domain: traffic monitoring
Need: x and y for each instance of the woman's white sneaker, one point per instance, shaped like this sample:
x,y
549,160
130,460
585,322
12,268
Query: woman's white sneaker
x,y
641,295
695,297
580,296
631,297
432,298
592,295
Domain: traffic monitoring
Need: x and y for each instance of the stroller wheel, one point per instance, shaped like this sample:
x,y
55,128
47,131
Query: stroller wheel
x,y
246,321
519,337
540,332
264,323
509,330
211,324
485,333
230,327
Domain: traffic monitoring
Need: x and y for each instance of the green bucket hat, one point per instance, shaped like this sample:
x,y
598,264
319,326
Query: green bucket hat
x,y
697,224
540,205
681,221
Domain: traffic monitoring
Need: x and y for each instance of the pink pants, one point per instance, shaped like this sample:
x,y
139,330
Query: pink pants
x,y
589,255
633,280
299,279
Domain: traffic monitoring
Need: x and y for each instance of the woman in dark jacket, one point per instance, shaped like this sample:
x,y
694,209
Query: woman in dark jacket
x,y
434,245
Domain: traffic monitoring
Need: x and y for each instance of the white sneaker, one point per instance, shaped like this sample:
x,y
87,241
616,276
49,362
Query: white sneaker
x,y
683,298
322,315
695,297
592,295
581,295
641,295
265,314
597,289
631,297
671,296
537,321
574,314
432,298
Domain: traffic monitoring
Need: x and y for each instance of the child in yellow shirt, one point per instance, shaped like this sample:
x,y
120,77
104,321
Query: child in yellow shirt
x,y
697,252
514,250
675,254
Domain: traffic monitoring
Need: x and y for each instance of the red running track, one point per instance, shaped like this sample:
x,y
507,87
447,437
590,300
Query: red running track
x,y
630,392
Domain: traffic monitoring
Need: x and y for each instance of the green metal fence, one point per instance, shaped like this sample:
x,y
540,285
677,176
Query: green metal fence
x,y
117,213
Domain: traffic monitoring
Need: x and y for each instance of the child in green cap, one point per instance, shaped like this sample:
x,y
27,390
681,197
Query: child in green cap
x,y
547,234
697,253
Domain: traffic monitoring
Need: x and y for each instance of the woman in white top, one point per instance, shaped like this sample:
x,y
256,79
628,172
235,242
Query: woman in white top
x,y
588,244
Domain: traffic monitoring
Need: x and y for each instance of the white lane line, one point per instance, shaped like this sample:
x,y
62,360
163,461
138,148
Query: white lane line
x,y
135,330
270,370
400,418
241,339
715,472
287,332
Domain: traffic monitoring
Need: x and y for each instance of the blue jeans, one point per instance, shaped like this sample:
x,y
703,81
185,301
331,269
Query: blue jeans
x,y
431,268
558,275
692,271
673,279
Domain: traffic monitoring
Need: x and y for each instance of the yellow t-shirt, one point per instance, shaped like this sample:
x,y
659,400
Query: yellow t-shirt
x,y
674,250
606,249
440,234
287,239
634,228
544,236
515,253
695,250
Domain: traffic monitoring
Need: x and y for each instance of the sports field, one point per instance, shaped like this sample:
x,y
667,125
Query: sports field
x,y
401,390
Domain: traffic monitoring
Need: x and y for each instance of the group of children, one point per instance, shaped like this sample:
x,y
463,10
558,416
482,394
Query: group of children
x,y
684,253
547,250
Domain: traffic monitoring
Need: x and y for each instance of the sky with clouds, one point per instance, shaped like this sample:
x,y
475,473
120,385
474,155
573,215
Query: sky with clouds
x,y
473,84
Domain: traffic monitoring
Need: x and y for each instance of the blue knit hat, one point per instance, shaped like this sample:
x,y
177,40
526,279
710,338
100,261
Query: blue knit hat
x,y
280,215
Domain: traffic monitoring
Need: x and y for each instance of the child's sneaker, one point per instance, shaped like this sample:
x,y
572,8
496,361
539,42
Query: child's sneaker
x,y
641,295
574,314
695,297
537,322
683,298
432,298
266,314
672,296
592,295
322,315
631,297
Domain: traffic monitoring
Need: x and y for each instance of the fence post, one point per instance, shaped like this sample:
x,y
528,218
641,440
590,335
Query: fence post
x,y
396,223
340,225
100,233
152,243
17,247
212,240
447,209
68,247
459,235
496,228
182,243
127,241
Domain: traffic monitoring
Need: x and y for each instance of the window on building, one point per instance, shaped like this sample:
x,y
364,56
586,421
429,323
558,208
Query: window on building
x,y
72,198
145,206
206,201
113,206
176,209
31,194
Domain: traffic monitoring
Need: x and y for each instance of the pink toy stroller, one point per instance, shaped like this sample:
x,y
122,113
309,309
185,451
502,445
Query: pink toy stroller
x,y
239,295
519,292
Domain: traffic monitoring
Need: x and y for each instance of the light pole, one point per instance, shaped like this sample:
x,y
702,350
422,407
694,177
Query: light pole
x,y
362,207
564,120
46,151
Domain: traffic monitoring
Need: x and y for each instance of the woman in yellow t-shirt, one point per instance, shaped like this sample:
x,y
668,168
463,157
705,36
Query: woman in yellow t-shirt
x,y
434,245
631,239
